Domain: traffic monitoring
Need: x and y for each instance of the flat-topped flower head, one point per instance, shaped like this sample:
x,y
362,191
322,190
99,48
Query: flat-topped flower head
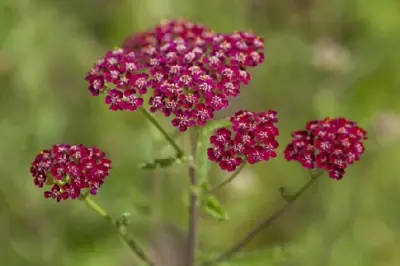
x,y
193,70
251,138
330,144
70,170
118,76
157,39
194,42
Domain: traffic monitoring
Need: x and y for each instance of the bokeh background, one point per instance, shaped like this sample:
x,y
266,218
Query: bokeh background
x,y
324,58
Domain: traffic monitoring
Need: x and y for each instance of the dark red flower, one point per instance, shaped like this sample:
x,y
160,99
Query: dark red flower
x,y
70,170
118,75
193,70
252,138
329,144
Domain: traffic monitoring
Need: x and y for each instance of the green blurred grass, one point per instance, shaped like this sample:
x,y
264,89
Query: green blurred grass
x,y
46,49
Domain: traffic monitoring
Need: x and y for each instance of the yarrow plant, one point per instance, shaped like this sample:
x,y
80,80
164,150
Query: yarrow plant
x,y
188,72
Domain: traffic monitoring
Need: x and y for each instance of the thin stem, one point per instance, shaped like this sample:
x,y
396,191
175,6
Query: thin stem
x,y
133,245
253,233
193,211
170,140
227,181
95,207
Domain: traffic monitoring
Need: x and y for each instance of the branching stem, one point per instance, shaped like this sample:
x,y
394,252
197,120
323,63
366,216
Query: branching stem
x,y
132,243
261,226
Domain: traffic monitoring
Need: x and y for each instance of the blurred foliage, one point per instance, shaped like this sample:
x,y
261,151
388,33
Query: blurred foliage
x,y
324,58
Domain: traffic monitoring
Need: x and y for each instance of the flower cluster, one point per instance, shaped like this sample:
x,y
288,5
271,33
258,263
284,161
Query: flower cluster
x,y
329,144
118,74
195,70
252,138
69,169
192,71
190,43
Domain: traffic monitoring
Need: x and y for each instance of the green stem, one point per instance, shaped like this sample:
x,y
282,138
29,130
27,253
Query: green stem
x,y
170,140
227,181
268,221
193,199
133,245
95,207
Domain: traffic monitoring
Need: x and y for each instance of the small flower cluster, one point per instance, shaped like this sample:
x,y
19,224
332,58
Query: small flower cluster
x,y
69,169
118,74
192,71
252,138
329,144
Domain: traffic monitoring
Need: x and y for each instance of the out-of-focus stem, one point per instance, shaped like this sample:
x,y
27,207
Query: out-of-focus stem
x,y
133,245
268,221
170,140
193,211
228,180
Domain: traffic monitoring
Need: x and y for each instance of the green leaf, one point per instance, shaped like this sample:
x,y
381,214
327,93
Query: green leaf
x,y
208,202
123,222
124,219
213,207
164,162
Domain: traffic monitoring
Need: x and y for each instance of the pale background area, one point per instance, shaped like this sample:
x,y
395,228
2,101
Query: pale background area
x,y
336,58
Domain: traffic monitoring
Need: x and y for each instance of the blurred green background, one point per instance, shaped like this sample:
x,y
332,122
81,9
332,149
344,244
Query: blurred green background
x,y
324,58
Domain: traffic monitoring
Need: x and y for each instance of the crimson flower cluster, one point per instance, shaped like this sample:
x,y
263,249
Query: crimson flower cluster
x,y
329,144
251,138
118,74
192,71
69,169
